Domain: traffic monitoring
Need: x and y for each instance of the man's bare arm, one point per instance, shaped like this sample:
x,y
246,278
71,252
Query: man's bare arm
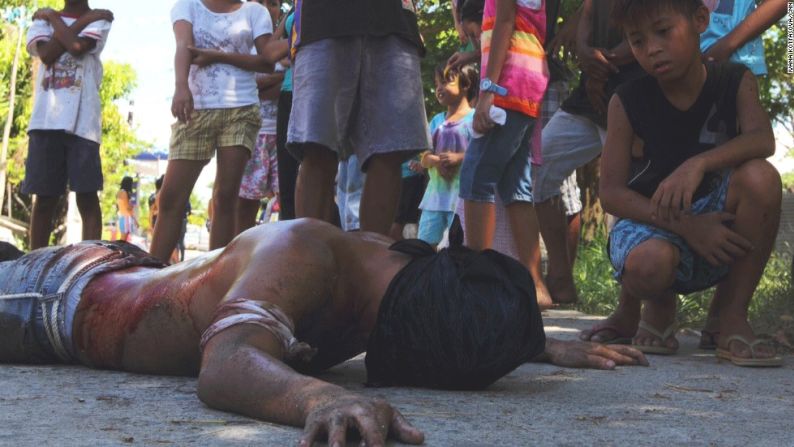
x,y
241,372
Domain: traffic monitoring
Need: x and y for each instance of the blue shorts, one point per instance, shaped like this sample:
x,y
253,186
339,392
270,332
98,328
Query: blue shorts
x,y
499,162
433,224
693,272
56,157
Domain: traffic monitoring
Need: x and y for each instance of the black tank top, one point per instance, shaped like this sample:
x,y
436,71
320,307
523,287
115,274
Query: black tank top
x,y
671,136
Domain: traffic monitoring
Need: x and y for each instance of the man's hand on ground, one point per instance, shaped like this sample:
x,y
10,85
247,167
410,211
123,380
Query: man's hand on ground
x,y
578,354
374,419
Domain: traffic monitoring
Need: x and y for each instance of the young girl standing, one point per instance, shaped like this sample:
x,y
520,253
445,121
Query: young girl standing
x,y
451,133
217,106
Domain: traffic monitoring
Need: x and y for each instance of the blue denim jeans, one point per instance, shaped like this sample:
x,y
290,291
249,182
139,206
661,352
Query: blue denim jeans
x,y
499,162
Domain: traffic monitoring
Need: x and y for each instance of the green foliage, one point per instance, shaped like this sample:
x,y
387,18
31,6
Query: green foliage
x,y
441,42
777,94
770,309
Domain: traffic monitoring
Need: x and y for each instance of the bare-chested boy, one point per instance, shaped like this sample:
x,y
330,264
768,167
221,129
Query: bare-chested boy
x,y
455,319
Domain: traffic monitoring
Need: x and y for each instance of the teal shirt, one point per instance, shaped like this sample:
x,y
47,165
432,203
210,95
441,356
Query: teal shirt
x,y
286,84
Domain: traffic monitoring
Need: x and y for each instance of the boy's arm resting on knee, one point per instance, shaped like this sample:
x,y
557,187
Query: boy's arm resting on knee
x,y
616,197
242,372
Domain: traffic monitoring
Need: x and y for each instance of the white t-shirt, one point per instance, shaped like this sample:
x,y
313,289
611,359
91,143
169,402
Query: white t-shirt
x,y
223,86
67,93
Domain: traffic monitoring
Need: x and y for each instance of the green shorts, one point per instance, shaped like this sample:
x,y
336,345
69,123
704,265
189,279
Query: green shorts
x,y
214,128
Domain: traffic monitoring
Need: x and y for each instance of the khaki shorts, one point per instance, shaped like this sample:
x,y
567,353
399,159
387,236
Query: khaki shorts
x,y
214,128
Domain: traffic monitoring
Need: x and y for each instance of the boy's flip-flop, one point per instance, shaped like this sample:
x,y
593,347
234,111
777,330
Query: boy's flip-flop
x,y
726,354
663,336
618,338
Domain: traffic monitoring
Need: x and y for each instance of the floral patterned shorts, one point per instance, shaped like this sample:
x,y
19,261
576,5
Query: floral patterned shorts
x,y
260,178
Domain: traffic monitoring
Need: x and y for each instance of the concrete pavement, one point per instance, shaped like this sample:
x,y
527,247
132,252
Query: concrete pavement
x,y
688,399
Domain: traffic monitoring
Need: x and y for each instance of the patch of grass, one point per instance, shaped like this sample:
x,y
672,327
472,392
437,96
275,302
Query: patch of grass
x,y
771,310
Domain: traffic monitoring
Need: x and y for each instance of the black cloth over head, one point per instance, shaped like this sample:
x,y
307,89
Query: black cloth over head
x,y
456,319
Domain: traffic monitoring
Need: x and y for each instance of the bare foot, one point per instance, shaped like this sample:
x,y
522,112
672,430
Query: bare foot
x,y
657,334
562,290
618,328
543,296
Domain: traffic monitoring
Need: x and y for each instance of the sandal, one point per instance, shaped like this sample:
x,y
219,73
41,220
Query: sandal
x,y
618,338
709,338
726,354
663,336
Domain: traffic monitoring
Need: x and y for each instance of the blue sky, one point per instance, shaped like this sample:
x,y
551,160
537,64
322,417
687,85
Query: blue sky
x,y
142,36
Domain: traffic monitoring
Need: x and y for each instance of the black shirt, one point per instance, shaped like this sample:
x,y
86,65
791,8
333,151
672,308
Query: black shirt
x,y
604,35
322,19
671,136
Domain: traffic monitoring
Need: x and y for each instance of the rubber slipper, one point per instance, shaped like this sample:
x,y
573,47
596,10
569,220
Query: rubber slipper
x,y
726,354
663,336
708,337
708,340
618,339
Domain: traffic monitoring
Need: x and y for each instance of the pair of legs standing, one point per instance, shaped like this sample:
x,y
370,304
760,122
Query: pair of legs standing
x,y
56,158
499,162
233,132
356,95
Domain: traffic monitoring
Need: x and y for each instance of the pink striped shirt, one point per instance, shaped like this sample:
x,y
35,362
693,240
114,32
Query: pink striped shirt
x,y
524,73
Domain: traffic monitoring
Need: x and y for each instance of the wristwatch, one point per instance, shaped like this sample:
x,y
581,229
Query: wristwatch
x,y
487,85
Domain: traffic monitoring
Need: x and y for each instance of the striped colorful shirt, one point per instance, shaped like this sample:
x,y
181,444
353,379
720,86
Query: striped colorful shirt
x,y
524,73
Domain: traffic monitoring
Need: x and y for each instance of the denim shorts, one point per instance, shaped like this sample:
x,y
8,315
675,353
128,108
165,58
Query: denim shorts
x,y
569,142
358,95
41,291
693,272
499,162
55,157
433,224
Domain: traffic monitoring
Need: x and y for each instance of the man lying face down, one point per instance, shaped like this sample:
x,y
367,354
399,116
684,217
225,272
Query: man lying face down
x,y
280,302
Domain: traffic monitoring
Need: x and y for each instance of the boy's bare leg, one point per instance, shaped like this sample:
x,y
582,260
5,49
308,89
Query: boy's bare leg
x,y
754,197
246,214
480,224
180,176
381,192
314,191
231,164
41,217
524,226
90,214
554,229
648,274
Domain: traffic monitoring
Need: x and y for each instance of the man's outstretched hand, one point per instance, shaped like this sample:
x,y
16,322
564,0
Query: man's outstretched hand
x,y
580,354
374,419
